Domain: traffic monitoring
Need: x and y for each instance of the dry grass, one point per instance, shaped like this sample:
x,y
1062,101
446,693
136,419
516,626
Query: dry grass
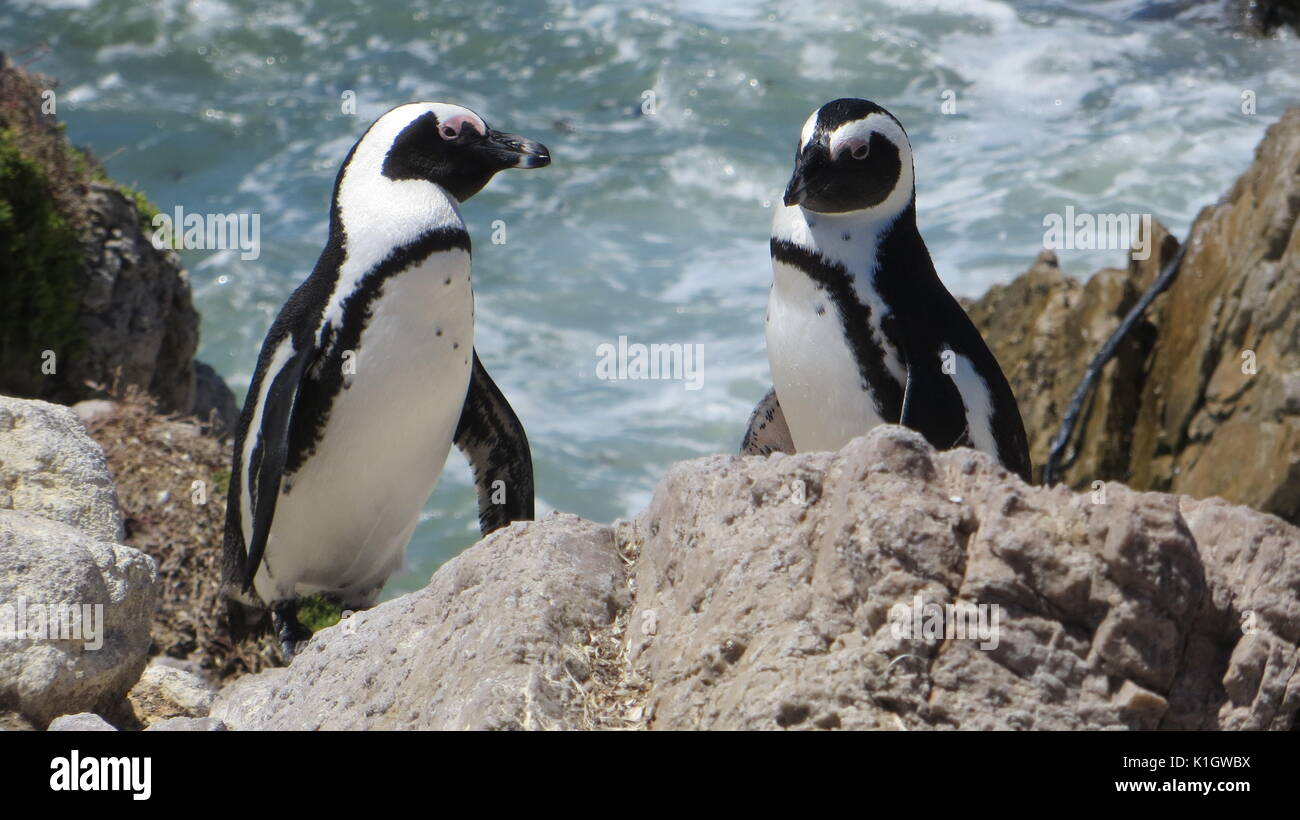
x,y
155,461
616,694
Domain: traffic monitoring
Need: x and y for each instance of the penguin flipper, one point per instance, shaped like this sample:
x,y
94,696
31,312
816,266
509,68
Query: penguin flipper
x,y
932,405
493,440
277,413
768,432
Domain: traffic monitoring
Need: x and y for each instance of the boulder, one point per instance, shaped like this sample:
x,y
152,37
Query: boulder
x,y
796,591
51,468
101,597
497,640
1204,396
83,722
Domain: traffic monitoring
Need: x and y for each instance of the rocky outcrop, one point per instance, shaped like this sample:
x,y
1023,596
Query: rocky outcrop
x,y
86,301
136,319
1204,397
769,594
783,593
75,606
499,639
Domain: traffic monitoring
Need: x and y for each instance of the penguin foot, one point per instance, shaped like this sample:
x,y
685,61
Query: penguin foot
x,y
288,630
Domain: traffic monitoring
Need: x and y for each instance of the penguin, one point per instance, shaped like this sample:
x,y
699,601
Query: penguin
x,y
860,330
368,375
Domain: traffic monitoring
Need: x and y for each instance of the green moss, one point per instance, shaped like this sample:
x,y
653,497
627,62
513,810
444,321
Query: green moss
x,y
317,612
221,481
143,206
40,264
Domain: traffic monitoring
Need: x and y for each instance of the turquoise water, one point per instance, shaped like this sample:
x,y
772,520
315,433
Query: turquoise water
x,y
655,226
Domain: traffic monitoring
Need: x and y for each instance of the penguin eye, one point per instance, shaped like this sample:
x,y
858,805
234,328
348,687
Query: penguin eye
x,y
448,132
859,151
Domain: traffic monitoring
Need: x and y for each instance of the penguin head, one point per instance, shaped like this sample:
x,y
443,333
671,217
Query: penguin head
x,y
450,146
853,156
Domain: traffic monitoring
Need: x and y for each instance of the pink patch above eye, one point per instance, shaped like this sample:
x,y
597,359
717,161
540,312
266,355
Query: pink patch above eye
x,y
454,125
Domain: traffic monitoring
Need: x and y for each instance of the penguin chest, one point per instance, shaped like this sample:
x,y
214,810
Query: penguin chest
x,y
814,370
344,518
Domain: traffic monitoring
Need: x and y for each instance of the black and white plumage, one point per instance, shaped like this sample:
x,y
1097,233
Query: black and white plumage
x,y
369,374
860,330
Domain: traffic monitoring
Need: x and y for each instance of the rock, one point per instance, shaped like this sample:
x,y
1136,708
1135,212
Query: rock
x,y
83,722
167,690
92,411
1201,398
497,640
784,593
185,724
1264,17
214,401
50,570
136,318
798,591
51,468
87,303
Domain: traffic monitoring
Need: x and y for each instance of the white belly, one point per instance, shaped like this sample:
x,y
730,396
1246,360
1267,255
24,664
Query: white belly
x,y
816,377
348,513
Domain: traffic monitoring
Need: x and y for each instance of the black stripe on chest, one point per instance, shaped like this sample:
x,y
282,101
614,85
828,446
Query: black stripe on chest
x,y
324,379
855,318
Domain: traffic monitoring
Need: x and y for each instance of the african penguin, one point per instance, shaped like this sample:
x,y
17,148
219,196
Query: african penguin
x,y
860,331
369,374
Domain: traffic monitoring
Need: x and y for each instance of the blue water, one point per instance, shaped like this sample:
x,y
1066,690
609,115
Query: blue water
x,y
655,226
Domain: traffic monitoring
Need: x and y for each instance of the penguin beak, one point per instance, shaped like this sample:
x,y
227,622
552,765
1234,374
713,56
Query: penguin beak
x,y
514,151
811,172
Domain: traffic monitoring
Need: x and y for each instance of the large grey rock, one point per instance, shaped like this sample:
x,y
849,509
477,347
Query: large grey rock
x,y
766,588
82,722
50,467
495,641
46,569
